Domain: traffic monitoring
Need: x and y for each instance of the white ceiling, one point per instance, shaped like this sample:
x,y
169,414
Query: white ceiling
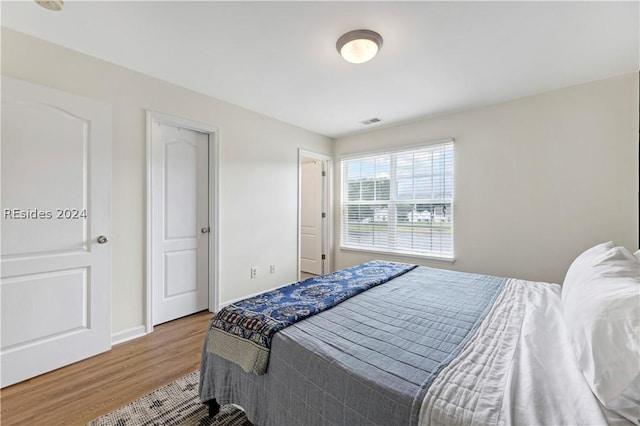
x,y
279,58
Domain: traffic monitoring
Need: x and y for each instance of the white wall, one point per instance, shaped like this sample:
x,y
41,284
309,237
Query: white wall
x,y
537,180
258,170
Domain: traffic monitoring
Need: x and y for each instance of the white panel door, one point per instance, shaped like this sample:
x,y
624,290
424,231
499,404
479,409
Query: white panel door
x,y
311,217
56,203
179,221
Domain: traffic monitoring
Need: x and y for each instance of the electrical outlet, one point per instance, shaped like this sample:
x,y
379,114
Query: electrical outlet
x,y
254,272
272,269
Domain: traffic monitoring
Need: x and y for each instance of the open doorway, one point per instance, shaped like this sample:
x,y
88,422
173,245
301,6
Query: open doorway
x,y
314,214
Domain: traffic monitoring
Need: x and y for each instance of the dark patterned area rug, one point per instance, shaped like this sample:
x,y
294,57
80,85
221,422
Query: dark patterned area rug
x,y
174,404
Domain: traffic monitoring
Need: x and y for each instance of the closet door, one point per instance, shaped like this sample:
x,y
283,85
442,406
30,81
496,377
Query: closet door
x,y
180,228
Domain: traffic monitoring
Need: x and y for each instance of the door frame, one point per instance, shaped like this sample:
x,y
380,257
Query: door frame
x,y
214,215
327,193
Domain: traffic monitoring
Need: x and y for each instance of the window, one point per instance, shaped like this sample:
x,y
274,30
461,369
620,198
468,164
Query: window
x,y
399,201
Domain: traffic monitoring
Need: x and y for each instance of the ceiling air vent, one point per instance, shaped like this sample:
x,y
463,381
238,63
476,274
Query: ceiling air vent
x,y
371,121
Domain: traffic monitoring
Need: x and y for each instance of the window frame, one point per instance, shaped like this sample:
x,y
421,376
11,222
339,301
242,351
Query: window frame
x,y
393,200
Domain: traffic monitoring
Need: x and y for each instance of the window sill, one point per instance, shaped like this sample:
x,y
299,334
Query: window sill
x,y
444,259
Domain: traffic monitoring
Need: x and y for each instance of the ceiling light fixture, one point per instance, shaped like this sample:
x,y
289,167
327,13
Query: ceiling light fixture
x,y
359,46
55,5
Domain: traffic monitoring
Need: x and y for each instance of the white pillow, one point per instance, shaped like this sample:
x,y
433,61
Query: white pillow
x,y
581,264
602,314
637,255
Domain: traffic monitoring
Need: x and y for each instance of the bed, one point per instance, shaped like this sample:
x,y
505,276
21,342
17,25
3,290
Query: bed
x,y
431,346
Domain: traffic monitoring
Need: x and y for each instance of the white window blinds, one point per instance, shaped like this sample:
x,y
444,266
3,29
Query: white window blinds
x,y
399,201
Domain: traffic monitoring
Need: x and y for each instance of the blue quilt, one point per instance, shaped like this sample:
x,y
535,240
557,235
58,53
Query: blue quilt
x,y
242,331
368,361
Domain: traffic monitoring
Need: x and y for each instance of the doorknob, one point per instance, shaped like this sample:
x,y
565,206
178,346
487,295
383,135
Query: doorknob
x,y
102,239
205,230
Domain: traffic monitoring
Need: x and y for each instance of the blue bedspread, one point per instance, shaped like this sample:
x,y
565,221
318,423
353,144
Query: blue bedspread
x,y
242,332
368,361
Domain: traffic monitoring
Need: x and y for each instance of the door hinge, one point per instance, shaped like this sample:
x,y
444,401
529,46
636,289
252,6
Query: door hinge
x,y
324,174
324,215
324,257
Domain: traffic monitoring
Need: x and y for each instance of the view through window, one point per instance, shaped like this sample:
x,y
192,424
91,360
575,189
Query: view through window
x,y
399,201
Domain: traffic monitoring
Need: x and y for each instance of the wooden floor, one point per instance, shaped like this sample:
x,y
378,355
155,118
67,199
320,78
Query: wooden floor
x,y
77,394
305,275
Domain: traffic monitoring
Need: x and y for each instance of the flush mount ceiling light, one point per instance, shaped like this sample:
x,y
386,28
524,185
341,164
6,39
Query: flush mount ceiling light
x,y
359,46
55,5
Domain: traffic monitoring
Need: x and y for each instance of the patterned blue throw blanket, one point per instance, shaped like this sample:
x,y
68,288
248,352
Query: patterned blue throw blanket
x,y
242,331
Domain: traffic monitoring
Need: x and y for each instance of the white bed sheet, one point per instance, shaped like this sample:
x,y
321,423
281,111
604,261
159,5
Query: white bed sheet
x,y
519,370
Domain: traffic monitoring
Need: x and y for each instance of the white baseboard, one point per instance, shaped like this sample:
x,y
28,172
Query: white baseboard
x,y
130,334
